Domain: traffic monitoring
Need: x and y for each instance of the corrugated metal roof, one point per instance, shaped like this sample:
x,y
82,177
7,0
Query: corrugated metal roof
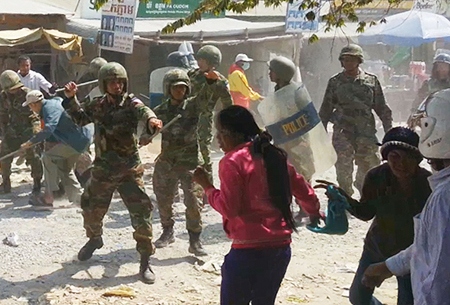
x,y
30,7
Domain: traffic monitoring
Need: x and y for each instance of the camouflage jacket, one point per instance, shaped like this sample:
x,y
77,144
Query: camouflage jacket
x,y
116,143
16,120
429,87
207,94
179,142
348,103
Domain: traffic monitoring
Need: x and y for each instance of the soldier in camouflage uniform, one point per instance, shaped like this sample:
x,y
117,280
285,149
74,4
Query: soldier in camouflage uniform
x,y
179,157
440,79
209,86
349,100
17,124
117,165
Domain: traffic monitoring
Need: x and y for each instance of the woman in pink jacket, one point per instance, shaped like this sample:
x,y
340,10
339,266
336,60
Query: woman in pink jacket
x,y
256,188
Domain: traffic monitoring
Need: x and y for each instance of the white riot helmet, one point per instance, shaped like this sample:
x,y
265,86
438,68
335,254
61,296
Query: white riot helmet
x,y
435,124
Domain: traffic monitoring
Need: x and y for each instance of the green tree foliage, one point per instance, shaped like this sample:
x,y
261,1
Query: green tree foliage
x,y
341,11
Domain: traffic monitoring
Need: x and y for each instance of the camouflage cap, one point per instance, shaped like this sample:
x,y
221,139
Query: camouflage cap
x,y
211,54
10,80
283,67
176,77
109,71
352,50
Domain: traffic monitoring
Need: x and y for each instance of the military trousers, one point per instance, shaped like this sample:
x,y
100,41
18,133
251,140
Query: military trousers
x,y
11,144
165,181
205,137
351,147
97,196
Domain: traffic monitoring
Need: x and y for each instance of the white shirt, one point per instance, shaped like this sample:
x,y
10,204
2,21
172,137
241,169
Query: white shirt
x,y
35,81
428,258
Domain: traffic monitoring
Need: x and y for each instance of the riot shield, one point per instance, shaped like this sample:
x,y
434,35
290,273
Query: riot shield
x,y
156,86
291,118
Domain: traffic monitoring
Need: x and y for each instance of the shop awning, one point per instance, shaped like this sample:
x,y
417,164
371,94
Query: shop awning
x,y
58,40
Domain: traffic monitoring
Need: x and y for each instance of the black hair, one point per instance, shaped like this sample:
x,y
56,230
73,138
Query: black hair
x,y
23,58
239,122
434,73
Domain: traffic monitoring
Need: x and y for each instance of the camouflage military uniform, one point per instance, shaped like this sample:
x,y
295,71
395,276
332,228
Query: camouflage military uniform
x,y
18,125
179,156
207,94
348,104
117,165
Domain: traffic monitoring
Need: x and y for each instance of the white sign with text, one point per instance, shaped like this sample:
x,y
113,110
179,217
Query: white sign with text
x,y
117,25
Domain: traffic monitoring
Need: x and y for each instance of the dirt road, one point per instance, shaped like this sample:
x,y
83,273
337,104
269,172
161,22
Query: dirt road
x,y
43,269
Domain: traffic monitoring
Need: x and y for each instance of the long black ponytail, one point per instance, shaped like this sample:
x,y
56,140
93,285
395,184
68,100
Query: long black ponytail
x,y
240,122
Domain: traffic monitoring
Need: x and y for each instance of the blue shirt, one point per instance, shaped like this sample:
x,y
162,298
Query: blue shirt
x,y
59,127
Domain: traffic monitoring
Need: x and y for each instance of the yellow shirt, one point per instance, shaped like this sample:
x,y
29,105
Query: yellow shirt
x,y
239,84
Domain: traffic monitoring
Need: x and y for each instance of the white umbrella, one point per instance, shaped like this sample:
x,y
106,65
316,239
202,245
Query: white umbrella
x,y
411,28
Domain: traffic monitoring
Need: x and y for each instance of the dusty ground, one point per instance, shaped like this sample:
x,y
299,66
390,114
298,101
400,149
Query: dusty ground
x,y
43,269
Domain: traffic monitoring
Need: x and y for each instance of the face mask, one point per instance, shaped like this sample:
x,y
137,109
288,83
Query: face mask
x,y
245,66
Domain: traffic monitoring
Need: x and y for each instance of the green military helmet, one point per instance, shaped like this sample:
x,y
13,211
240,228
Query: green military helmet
x,y
96,64
176,77
211,54
283,67
352,50
10,80
110,71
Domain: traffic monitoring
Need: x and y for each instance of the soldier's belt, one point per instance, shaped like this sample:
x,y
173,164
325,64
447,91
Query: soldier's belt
x,y
294,126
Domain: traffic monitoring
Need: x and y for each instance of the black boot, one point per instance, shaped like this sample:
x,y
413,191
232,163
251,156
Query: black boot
x,y
166,238
89,248
6,185
36,186
195,247
145,271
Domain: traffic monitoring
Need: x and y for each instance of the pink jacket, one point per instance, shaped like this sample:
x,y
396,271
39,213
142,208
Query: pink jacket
x,y
249,218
